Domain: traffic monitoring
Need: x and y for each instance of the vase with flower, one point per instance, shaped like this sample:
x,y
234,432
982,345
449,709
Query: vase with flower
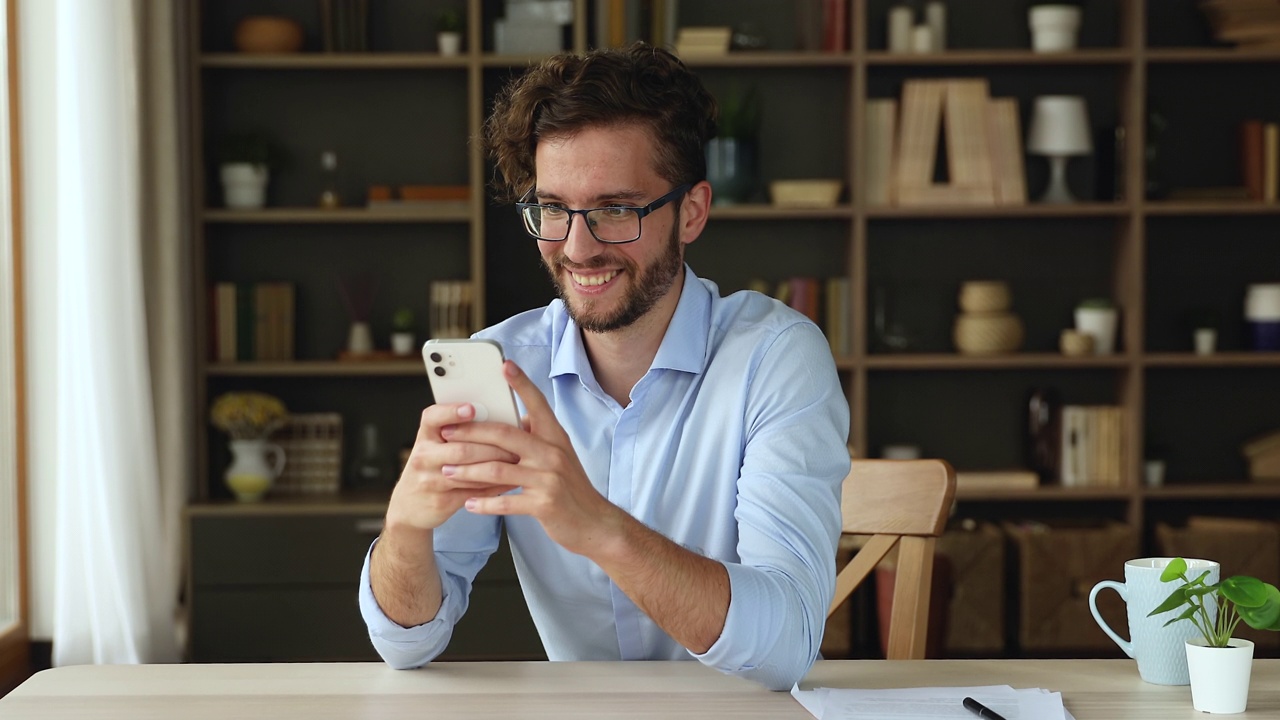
x,y
250,418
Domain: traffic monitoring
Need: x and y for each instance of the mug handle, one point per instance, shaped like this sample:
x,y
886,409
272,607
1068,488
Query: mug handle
x,y
1120,588
277,459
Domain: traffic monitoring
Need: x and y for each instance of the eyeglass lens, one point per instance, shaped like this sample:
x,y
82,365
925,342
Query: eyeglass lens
x,y
606,224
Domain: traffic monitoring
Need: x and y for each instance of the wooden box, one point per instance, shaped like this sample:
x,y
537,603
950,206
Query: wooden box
x,y
1055,567
1242,547
976,617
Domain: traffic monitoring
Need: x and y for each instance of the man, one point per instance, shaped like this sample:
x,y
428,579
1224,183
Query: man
x,y
675,490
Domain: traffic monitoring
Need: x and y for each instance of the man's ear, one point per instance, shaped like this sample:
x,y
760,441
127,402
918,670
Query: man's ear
x,y
695,207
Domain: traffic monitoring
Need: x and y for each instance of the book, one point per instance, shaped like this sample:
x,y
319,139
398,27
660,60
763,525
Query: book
x,y
1011,479
1270,155
1251,161
1004,138
877,158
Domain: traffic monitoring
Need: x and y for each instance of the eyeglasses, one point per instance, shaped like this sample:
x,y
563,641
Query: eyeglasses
x,y
614,225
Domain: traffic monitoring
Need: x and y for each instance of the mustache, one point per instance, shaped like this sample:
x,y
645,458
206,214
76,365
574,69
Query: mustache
x,y
560,262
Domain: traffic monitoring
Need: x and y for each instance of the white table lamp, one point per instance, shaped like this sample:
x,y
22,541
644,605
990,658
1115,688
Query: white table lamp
x,y
1059,130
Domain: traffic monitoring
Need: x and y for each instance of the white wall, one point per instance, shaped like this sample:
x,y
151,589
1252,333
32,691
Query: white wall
x,y
36,44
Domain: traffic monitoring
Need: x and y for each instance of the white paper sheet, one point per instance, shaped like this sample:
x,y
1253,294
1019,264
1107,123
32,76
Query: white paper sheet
x,y
930,703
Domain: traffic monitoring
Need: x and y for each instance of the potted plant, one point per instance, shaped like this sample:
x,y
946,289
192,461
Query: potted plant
x,y
1219,664
249,418
402,332
244,169
449,32
1054,24
1097,318
731,155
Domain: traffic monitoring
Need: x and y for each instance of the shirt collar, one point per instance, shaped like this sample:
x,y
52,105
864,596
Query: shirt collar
x,y
683,348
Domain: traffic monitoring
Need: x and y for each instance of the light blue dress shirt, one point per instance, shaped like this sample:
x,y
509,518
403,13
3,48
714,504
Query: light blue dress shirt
x,y
733,446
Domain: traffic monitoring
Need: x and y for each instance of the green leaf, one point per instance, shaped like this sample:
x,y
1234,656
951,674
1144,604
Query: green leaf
x,y
1186,615
1265,615
1177,598
1245,591
1194,592
1174,570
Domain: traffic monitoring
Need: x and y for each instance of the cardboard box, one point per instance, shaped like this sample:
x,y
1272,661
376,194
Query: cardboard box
x,y
1241,546
1055,567
976,616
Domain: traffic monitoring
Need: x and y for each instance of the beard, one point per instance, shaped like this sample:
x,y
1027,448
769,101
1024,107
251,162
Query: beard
x,y
649,286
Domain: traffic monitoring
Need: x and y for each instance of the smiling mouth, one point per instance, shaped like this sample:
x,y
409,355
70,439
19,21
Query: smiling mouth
x,y
593,280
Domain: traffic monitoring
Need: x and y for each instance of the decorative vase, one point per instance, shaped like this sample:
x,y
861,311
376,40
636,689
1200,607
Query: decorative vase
x,y
731,170
360,339
402,343
1053,27
251,474
244,185
1220,676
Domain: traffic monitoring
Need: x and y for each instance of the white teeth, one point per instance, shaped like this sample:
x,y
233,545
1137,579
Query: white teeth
x,y
592,280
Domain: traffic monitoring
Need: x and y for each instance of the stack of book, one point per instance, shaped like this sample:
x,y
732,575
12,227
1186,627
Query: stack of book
x,y
252,321
451,309
1092,446
703,40
983,146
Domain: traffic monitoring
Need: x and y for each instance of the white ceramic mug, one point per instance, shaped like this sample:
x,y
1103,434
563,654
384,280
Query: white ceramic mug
x,y
1160,651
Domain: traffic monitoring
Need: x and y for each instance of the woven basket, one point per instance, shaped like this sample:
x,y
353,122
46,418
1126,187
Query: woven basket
x,y
313,454
987,333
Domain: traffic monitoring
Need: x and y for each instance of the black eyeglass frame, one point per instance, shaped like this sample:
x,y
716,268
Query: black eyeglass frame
x,y
640,212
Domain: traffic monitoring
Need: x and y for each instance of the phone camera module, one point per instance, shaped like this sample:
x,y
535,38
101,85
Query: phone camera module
x,y
435,357
439,371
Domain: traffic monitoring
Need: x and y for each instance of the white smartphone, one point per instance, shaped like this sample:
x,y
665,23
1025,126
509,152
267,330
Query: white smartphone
x,y
470,371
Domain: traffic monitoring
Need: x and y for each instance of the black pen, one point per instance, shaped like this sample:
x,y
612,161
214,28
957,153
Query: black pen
x,y
981,710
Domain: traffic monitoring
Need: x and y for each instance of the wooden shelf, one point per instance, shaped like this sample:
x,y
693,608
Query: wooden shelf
x,y
773,212
771,59
442,211
1239,490
1211,207
1021,57
1037,210
1210,55
341,503
332,61
1044,494
1012,361
317,368
1216,360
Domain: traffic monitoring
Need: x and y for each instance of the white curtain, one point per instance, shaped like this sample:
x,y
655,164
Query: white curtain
x,y
120,395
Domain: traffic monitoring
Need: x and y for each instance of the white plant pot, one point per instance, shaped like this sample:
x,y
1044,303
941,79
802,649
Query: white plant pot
x,y
1053,27
360,339
1100,324
402,343
450,43
1206,341
1220,676
244,185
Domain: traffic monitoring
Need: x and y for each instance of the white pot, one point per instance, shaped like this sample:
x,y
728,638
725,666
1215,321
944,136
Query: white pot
x,y
1220,676
244,185
402,343
1053,27
360,339
450,43
1206,340
1099,323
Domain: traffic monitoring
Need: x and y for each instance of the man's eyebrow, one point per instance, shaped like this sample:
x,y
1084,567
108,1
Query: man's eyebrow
x,y
633,196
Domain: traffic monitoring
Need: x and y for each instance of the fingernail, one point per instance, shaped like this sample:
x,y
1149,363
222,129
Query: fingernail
x,y
466,411
472,503
448,469
510,369
447,431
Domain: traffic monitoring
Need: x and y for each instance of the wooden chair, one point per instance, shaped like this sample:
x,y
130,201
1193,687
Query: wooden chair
x,y
903,503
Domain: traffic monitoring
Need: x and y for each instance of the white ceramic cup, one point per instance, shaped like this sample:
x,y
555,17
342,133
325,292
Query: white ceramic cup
x,y
1160,651
1053,27
1101,323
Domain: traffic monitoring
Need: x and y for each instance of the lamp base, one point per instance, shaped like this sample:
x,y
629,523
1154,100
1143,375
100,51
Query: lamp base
x,y
1057,192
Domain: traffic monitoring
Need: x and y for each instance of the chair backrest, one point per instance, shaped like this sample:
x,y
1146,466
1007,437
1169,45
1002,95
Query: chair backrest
x,y
903,503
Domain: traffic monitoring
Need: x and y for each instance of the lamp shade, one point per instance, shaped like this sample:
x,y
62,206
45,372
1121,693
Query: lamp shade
x,y
1059,126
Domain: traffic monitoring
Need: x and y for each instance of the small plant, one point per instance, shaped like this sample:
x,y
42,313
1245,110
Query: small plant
x,y
250,148
739,114
1096,303
450,21
402,320
1239,598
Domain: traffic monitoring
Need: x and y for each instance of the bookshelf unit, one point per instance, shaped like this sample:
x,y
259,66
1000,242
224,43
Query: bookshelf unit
x,y
401,113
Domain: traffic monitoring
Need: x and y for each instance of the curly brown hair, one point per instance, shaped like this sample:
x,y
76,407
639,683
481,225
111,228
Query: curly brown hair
x,y
640,84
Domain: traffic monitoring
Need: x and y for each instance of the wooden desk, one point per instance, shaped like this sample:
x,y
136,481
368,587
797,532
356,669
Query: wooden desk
x,y
1091,689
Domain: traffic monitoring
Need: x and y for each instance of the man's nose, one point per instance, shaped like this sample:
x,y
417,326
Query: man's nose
x,y
581,245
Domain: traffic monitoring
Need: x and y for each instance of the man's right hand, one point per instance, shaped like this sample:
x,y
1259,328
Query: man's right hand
x,y
402,569
424,498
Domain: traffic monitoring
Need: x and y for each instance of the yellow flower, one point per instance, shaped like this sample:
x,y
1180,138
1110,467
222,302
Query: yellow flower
x,y
248,415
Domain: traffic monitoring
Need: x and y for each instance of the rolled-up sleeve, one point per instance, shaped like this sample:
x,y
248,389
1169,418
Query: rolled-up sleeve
x,y
788,514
